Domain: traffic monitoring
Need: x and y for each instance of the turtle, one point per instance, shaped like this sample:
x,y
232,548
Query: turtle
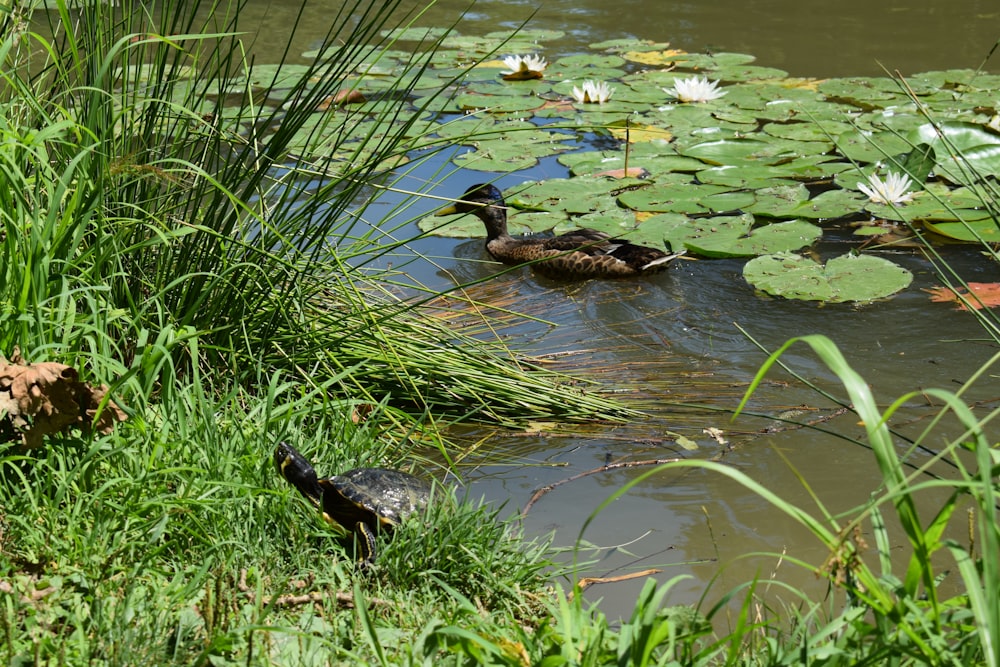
x,y
364,500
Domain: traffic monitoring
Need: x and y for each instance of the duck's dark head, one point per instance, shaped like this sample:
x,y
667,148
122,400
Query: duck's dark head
x,y
486,203
477,197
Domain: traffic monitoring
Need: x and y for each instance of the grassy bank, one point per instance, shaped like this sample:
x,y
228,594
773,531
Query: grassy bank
x,y
207,261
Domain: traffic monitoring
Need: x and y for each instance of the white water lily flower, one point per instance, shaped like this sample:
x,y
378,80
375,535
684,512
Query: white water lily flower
x,y
524,67
891,191
593,92
695,89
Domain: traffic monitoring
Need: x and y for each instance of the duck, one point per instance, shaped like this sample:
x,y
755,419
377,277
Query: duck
x,y
579,254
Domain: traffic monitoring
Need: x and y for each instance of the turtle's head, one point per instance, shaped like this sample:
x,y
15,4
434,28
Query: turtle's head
x,y
298,471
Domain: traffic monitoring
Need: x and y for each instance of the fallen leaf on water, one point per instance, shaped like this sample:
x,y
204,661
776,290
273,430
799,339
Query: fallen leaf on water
x,y
716,434
979,295
522,75
632,172
685,442
340,98
535,428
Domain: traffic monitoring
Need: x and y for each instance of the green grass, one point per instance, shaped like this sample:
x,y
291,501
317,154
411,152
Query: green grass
x,y
143,540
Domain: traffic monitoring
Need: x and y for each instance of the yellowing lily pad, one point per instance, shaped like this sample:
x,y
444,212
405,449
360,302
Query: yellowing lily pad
x,y
662,58
842,279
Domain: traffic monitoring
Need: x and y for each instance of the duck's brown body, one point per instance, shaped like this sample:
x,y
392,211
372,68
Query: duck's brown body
x,y
583,253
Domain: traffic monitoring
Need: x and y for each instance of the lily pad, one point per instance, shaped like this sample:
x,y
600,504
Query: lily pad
x,y
654,57
529,34
871,147
518,146
778,201
629,44
978,231
978,149
846,278
685,197
831,204
739,240
496,104
750,177
741,151
590,162
575,196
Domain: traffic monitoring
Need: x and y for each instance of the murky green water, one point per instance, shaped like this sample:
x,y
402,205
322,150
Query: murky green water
x,y
673,338
851,37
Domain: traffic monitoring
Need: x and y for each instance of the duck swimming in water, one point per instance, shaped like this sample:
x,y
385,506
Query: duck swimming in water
x,y
582,253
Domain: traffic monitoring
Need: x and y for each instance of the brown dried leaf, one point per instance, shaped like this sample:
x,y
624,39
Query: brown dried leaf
x,y
40,399
979,295
341,98
522,75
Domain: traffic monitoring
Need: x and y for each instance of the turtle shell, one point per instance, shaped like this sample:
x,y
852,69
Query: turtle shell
x,y
376,496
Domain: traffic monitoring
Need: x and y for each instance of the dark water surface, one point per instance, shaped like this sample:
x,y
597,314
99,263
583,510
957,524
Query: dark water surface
x,y
673,338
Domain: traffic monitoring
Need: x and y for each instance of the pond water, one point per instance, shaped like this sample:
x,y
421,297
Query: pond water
x,y
675,338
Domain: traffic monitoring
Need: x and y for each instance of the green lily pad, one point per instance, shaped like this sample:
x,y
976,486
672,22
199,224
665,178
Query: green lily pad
x,y
868,147
737,72
978,147
503,156
748,176
842,279
467,129
590,162
807,131
831,204
574,196
602,67
778,201
864,92
528,35
741,151
686,198
530,88
496,104
514,146
486,45
978,231
629,44
739,240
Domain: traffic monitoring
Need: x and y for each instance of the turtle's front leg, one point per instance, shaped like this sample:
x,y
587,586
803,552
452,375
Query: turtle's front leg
x,y
366,543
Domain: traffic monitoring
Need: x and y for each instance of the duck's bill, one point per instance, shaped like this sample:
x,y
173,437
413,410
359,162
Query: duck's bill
x,y
447,210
